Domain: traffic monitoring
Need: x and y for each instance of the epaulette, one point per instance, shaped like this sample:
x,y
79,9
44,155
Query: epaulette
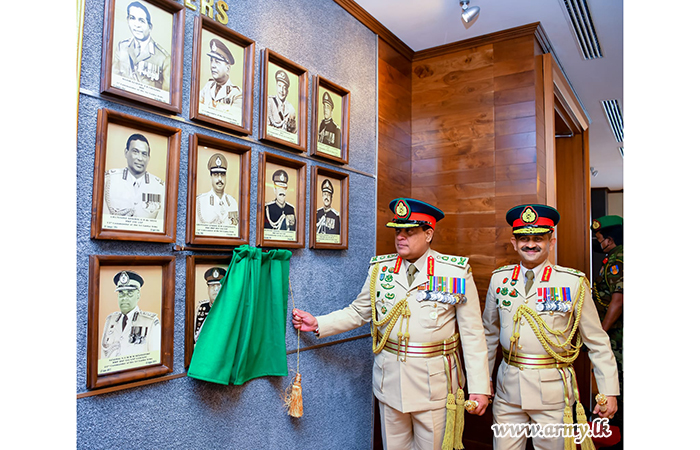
x,y
459,261
508,267
201,302
382,258
578,273
150,315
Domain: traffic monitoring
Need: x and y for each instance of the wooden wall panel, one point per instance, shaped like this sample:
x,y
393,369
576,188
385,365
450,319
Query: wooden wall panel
x,y
474,145
394,141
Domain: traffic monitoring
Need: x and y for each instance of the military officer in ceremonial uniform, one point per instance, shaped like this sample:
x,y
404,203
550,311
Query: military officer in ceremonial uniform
x,y
140,58
327,218
130,331
281,113
216,206
279,215
532,312
423,307
132,191
213,277
219,92
328,131
608,291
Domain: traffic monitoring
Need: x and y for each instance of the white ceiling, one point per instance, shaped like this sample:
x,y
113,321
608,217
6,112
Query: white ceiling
x,y
422,24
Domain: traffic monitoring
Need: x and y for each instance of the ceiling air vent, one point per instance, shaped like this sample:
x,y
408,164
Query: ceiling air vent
x,y
584,30
614,115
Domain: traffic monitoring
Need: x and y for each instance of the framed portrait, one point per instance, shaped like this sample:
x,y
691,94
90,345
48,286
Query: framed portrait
x,y
130,318
142,47
281,202
331,121
222,77
204,276
218,192
134,192
283,101
329,197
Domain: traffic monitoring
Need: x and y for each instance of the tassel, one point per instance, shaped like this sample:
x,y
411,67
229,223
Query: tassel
x,y
293,401
459,420
569,443
449,423
587,442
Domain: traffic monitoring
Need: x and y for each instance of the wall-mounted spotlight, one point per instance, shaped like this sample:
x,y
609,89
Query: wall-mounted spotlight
x,y
469,14
594,172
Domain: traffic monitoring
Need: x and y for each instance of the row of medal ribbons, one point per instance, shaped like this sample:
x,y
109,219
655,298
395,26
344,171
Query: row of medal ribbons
x,y
554,299
447,290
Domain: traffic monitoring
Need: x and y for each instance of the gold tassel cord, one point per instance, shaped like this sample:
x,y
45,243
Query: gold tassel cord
x,y
538,326
400,310
293,401
587,442
459,420
451,406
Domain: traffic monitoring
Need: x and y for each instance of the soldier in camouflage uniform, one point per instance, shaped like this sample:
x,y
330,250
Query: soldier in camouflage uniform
x,y
608,289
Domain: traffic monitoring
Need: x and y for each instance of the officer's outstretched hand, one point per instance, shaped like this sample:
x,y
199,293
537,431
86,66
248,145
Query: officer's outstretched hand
x,y
303,321
483,403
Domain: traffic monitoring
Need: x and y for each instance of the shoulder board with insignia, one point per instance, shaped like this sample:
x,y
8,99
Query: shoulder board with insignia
x,y
150,315
502,268
578,273
459,261
382,258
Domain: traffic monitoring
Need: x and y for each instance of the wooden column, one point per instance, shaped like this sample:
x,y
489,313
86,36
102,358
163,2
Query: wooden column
x,y
394,155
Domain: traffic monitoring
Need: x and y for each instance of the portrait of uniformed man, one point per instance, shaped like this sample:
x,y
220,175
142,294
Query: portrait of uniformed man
x,y
328,130
140,58
213,277
216,206
132,191
220,97
327,218
279,214
130,330
280,112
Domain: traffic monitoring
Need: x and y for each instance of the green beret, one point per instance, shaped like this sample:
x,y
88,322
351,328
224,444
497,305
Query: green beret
x,y
606,222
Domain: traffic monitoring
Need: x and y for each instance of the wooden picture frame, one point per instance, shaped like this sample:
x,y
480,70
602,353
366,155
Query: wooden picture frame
x,y
329,206
330,114
281,226
283,121
137,343
218,192
152,154
223,64
151,74
199,296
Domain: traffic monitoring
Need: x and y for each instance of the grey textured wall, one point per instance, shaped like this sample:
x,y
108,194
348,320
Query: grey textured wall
x,y
187,413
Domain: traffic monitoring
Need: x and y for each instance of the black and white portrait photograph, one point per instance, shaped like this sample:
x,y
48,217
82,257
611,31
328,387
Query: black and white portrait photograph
x,y
143,52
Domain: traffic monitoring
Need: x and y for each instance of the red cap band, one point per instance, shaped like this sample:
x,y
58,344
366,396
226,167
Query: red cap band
x,y
420,217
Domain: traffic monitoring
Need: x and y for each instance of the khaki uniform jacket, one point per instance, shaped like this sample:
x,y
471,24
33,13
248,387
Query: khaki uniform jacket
x,y
418,384
541,389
